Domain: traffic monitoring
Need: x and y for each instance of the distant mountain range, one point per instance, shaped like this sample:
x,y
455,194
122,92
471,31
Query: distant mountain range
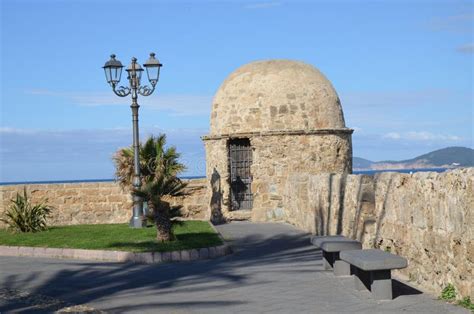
x,y
450,157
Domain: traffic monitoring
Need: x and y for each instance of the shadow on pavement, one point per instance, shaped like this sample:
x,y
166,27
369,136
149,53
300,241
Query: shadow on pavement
x,y
84,282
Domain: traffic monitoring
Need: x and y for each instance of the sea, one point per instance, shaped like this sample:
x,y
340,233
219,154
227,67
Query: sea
x,y
368,172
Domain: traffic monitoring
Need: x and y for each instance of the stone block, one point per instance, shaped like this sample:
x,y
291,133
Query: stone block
x,y
143,258
166,256
41,252
194,254
25,251
157,257
87,254
212,252
9,250
67,253
203,253
185,255
222,250
125,256
109,256
175,256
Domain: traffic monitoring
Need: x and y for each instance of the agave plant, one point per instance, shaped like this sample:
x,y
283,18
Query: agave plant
x,y
155,160
22,216
156,192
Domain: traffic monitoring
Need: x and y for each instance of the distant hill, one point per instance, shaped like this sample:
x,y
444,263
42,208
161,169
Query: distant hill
x,y
450,157
361,163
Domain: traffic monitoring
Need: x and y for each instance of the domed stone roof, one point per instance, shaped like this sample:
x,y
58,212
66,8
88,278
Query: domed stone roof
x,y
275,95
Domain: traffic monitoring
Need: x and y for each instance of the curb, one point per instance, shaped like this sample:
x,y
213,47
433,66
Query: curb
x,y
119,256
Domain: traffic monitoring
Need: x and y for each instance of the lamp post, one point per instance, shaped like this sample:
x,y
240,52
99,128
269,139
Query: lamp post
x,y
113,72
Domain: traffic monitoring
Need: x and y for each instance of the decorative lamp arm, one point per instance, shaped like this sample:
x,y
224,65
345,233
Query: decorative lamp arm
x,y
146,90
121,91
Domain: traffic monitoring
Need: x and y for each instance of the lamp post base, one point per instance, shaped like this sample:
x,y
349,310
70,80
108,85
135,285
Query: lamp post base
x,y
137,222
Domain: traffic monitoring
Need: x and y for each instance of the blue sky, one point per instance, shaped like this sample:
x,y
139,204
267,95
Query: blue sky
x,y
403,71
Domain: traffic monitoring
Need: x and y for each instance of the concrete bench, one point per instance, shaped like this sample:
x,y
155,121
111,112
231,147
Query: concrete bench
x,y
372,270
318,240
331,247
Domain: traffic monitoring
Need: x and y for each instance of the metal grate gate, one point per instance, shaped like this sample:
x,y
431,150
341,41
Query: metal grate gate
x,y
240,160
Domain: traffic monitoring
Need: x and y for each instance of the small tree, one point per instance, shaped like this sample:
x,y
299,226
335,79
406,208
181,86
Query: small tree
x,y
159,167
22,216
156,193
155,160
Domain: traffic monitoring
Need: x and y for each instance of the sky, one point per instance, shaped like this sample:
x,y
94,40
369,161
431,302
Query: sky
x,y
403,71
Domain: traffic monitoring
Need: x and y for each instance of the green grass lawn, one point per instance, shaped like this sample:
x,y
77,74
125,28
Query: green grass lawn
x,y
118,237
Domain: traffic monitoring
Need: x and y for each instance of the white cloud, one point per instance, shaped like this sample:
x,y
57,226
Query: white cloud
x,y
422,136
468,48
178,105
8,130
392,135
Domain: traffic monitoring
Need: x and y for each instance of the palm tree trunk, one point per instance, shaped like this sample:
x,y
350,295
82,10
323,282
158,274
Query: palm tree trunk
x,y
163,228
163,222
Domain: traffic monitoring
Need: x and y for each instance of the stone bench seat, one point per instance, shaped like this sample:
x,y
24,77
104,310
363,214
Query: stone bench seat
x,y
331,247
318,240
372,270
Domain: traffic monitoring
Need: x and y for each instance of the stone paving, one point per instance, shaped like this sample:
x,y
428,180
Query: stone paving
x,y
274,270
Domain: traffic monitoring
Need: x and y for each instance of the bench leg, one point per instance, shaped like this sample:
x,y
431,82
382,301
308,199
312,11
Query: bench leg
x,y
342,268
359,277
381,284
328,260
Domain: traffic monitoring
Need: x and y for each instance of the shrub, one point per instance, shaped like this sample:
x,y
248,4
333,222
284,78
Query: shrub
x,y
22,216
448,293
466,302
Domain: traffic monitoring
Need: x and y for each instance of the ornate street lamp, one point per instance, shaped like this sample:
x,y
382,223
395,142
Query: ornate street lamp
x,y
113,72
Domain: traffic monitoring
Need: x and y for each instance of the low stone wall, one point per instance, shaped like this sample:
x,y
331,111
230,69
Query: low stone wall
x,y
426,217
96,203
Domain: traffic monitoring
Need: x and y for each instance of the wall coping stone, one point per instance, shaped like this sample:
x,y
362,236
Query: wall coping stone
x,y
278,133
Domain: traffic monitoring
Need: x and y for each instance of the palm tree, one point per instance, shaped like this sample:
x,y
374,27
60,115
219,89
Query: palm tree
x,y
155,160
159,167
156,192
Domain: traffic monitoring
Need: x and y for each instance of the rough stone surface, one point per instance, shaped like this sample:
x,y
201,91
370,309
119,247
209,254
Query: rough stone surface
x,y
293,118
425,217
96,203
275,159
275,95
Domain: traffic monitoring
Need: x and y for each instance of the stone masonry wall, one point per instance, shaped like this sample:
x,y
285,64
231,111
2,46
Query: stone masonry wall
x,y
97,203
425,217
275,158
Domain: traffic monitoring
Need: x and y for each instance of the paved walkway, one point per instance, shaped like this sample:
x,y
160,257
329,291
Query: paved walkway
x,y
274,269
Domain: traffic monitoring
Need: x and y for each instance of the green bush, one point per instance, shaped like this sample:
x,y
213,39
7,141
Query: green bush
x,y
22,216
466,302
448,293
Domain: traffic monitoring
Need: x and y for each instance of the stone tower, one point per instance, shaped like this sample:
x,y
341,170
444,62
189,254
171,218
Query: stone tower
x,y
270,119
